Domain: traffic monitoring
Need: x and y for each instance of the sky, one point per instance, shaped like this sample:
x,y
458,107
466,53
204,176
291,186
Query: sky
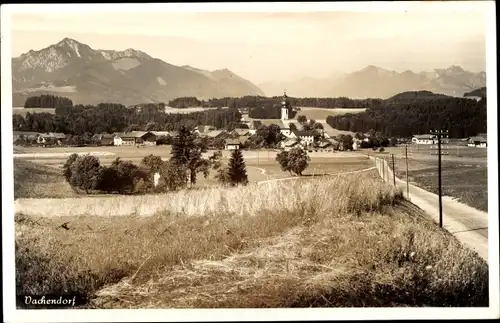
x,y
275,46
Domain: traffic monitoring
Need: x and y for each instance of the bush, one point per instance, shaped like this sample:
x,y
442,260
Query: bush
x,y
84,172
381,149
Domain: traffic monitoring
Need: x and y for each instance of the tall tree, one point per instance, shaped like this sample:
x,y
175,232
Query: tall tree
x,y
187,151
237,169
293,161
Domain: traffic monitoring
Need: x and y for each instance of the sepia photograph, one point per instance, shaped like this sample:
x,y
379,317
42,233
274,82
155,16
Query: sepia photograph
x,y
237,161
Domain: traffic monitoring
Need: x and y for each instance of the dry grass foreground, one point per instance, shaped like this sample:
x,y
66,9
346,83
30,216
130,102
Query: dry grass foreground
x,y
33,180
337,242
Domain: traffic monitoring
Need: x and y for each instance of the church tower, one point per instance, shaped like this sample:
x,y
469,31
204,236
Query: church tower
x,y
284,107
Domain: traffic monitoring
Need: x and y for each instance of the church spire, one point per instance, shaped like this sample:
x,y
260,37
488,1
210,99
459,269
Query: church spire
x,y
284,107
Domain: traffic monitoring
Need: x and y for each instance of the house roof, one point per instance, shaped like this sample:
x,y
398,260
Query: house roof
x,y
205,128
241,132
232,142
215,133
55,135
302,133
160,133
290,142
427,136
135,134
477,138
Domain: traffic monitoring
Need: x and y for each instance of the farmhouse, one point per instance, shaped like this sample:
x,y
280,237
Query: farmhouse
x,y
423,139
232,144
104,139
289,144
305,137
134,138
43,138
477,141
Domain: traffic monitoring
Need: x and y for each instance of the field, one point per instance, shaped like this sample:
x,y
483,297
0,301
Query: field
x,y
318,114
23,111
261,166
332,242
464,172
322,114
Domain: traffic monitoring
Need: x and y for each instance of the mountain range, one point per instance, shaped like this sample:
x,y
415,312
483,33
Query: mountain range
x,y
376,82
90,76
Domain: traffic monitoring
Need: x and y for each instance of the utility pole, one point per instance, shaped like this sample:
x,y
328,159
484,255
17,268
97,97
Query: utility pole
x,y
440,133
393,170
407,179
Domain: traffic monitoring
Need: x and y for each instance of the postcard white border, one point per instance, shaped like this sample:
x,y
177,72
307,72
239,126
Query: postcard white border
x,y
11,314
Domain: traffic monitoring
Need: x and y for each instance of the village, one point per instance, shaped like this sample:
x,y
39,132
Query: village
x,y
294,134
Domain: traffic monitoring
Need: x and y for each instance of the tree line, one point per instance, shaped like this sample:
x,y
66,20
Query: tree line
x,y
461,117
47,101
257,101
112,117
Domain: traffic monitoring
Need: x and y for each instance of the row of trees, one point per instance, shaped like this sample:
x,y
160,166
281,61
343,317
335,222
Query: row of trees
x,y
262,101
47,101
256,101
461,117
185,102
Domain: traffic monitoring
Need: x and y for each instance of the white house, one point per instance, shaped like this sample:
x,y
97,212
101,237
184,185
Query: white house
x,y
423,139
477,141
306,138
232,144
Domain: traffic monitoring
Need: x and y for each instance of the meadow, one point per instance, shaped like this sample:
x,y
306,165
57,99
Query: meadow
x,y
337,241
22,111
322,114
464,172
261,166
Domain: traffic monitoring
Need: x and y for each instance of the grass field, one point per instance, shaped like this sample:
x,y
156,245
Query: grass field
x,y
318,113
331,242
23,111
33,180
322,114
464,172
261,166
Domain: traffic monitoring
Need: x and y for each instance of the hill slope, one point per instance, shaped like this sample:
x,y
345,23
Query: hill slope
x,y
90,76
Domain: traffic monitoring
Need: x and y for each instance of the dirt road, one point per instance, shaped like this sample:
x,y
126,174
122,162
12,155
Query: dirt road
x,y
470,226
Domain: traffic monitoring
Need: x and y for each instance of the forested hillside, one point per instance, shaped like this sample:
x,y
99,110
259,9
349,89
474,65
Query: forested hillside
x,y
461,117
